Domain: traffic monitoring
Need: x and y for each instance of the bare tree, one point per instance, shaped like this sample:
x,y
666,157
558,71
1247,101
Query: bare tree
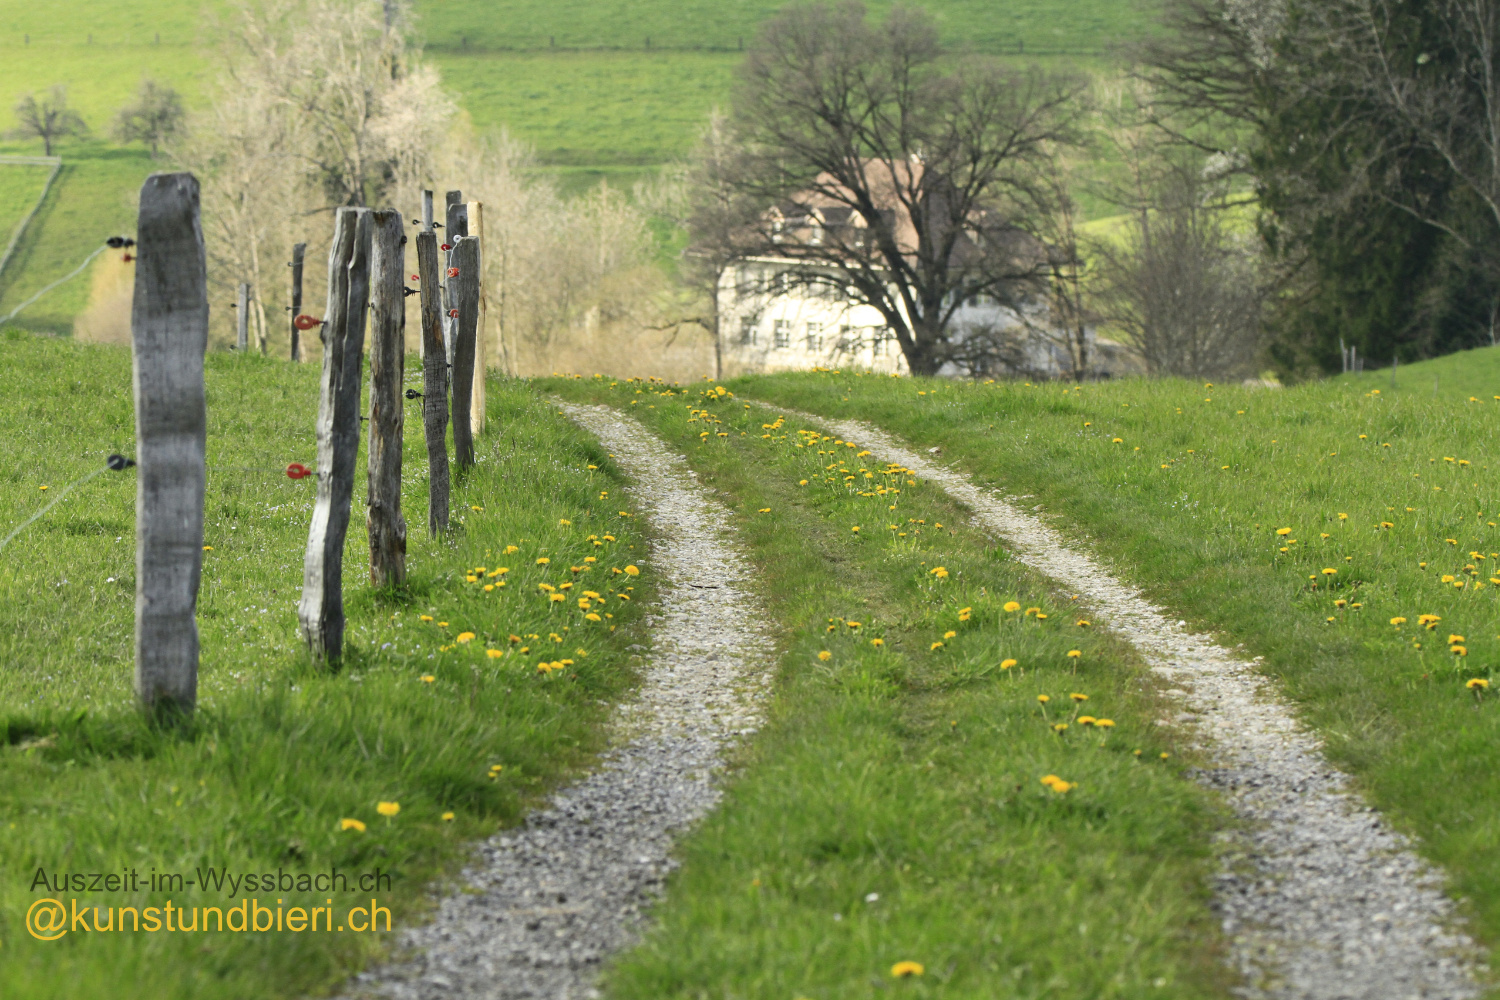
x,y
154,116
1186,290
47,118
318,104
908,173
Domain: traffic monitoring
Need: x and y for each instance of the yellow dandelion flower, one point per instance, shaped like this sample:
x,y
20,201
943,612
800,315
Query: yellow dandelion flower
x,y
940,572
351,824
1283,531
464,637
1043,698
825,656
632,571
1007,664
1074,654
1477,684
950,634
494,654
1104,723
388,809
903,969
1459,650
1398,620
1012,606
1078,697
936,645
543,561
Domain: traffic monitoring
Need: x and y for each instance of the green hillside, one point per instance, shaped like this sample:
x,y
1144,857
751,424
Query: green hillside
x,y
601,88
1466,373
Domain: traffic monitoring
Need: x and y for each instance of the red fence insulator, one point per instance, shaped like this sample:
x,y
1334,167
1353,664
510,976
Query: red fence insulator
x,y
306,322
127,258
452,272
297,471
446,246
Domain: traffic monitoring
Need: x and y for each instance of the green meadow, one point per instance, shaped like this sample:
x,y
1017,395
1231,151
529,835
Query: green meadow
x,y
1316,525
438,704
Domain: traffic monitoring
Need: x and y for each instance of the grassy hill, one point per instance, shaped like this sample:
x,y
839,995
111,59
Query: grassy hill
x,y
602,88
1468,373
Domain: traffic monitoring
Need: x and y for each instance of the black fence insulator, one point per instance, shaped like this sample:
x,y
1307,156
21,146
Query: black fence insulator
x,y
119,462
119,241
408,292
413,394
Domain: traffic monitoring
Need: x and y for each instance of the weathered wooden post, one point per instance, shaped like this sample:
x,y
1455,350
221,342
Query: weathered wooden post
x,y
321,611
456,225
463,296
481,346
426,228
242,317
434,383
386,526
299,251
169,332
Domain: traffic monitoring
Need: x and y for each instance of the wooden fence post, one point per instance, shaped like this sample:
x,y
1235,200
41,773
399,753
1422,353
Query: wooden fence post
x,y
426,228
463,295
434,384
456,226
299,251
386,526
321,611
169,332
481,346
242,317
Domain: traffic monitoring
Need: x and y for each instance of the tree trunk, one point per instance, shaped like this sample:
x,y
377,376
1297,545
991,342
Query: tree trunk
x,y
387,528
321,611
169,332
434,385
463,296
242,317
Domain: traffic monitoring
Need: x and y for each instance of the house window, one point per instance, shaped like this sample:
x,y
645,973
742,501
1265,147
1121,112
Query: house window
x,y
783,333
848,342
815,337
747,331
882,337
815,234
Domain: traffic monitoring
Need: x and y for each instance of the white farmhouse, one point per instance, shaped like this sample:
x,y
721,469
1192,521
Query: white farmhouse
x,y
791,311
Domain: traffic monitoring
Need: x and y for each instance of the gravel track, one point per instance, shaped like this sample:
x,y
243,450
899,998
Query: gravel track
x,y
1320,899
544,906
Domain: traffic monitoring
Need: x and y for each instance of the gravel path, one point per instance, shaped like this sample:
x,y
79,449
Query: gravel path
x,y
547,904
1320,898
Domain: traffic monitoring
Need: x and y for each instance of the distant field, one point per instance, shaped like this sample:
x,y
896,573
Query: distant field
x,y
577,78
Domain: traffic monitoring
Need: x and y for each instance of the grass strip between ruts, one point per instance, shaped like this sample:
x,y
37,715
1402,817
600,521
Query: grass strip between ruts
x,y
892,809
1315,525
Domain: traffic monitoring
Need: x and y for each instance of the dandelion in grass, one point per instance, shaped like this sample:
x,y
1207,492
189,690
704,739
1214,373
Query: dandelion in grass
x,y
1283,531
1012,606
877,643
1082,623
388,810
1032,611
464,637
1398,620
1329,571
940,572
543,561
1007,664
950,634
964,613
1342,517
494,654
1078,697
351,824
1074,654
825,656
935,646
425,618
1454,638
428,679
632,571
1340,603
1058,785
1104,723
903,969
1059,727
1478,684
1459,650
1086,720
1043,699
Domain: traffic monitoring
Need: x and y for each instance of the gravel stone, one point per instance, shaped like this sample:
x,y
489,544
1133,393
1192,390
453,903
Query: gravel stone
x,y
1320,899
544,906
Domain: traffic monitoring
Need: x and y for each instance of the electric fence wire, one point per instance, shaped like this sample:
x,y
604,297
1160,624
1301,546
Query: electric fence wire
x,y
68,277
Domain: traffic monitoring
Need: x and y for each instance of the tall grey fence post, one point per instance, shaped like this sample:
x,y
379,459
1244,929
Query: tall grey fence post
x,y
456,226
383,519
299,252
463,294
169,333
481,345
426,228
434,384
242,317
321,611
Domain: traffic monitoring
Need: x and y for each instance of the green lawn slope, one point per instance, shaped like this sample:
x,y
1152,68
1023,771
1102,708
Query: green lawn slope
x,y
1473,372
